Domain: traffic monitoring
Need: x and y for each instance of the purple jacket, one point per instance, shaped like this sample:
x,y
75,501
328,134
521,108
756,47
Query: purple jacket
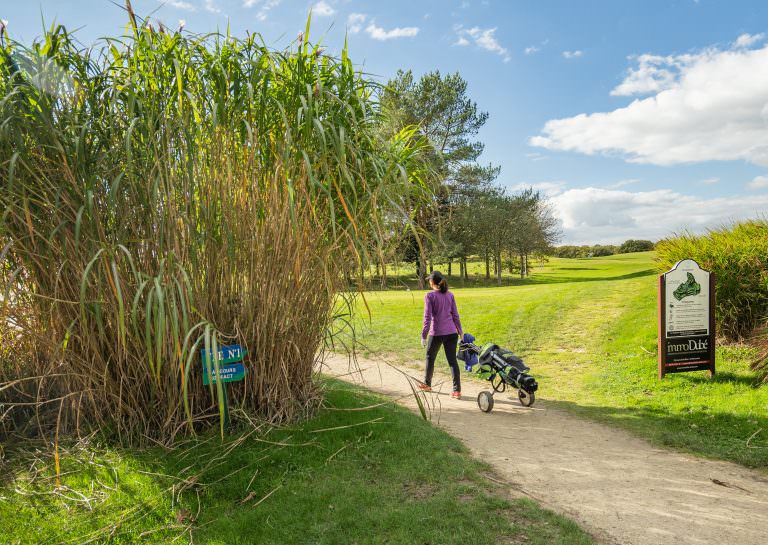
x,y
440,314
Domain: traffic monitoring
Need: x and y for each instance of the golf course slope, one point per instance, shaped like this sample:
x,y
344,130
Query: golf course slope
x,y
633,459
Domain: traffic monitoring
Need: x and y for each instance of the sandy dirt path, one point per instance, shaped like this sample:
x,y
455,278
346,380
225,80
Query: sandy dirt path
x,y
620,488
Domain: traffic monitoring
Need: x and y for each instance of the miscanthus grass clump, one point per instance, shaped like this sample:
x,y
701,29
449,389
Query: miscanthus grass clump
x,y
164,193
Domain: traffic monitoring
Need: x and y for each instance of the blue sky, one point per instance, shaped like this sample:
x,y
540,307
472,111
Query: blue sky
x,y
637,118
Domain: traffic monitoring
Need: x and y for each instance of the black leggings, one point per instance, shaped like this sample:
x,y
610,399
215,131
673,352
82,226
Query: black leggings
x,y
449,342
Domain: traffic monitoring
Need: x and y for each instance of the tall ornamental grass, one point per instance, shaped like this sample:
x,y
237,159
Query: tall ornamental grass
x,y
164,193
738,255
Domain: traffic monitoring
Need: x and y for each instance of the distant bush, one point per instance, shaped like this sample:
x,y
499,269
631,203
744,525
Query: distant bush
x,y
631,246
572,252
602,251
739,257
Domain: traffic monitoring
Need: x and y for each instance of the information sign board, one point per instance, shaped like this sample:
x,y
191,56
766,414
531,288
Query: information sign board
x,y
686,319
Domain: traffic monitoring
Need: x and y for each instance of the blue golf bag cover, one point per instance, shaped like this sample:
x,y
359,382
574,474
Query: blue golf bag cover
x,y
469,358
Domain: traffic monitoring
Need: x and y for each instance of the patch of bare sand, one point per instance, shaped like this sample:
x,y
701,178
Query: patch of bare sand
x,y
620,488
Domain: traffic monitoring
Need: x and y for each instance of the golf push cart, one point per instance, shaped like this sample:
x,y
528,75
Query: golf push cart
x,y
501,367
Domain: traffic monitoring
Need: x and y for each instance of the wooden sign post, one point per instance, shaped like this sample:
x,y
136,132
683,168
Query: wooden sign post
x,y
686,319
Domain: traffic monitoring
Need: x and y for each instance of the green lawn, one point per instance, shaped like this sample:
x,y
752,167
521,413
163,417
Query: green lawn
x,y
363,471
546,271
587,327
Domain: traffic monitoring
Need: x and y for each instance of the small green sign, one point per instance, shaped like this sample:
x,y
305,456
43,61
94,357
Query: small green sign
x,y
228,354
231,368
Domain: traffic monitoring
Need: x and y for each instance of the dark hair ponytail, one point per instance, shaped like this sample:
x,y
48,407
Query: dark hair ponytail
x,y
439,280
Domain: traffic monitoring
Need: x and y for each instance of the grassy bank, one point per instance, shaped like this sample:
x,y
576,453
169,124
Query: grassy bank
x,y
362,471
587,327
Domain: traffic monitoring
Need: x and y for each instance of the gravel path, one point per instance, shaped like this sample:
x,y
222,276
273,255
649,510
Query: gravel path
x,y
620,488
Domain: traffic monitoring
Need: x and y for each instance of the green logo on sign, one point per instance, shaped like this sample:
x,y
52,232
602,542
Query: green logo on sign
x,y
688,288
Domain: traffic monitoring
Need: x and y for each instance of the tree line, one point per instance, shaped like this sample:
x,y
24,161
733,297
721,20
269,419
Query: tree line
x,y
602,250
470,214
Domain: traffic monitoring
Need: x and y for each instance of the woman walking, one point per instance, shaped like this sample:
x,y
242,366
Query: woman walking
x,y
442,327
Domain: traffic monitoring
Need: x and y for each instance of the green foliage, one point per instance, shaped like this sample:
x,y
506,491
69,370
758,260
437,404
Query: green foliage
x,y
362,471
571,252
164,193
602,250
448,120
445,115
631,246
738,256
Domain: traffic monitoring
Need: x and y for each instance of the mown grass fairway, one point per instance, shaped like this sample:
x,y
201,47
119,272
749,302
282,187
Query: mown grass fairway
x,y
350,475
587,327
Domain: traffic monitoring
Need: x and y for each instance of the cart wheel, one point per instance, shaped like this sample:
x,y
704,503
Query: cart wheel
x,y
485,401
526,398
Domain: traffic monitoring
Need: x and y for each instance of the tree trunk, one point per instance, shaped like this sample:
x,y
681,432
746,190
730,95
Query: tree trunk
x,y
450,263
497,259
522,265
384,276
421,271
464,263
487,265
511,263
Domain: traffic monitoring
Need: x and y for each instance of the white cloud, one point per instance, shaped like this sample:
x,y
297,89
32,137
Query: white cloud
x,y
378,33
710,181
355,22
759,182
747,40
623,183
265,7
181,5
550,189
573,54
532,49
484,38
712,106
597,215
322,9
654,73
211,7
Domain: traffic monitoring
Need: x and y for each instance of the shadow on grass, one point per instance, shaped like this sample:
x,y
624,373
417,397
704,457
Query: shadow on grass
x,y
723,436
723,378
